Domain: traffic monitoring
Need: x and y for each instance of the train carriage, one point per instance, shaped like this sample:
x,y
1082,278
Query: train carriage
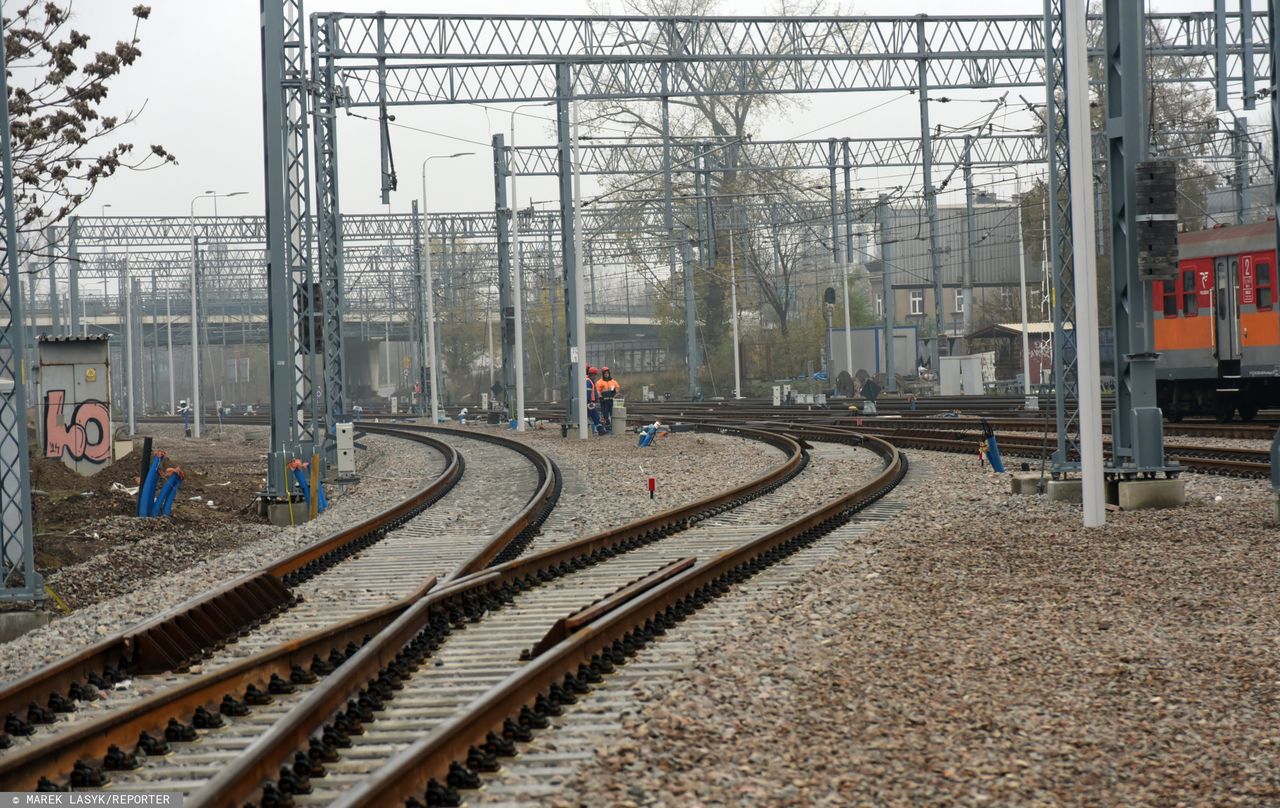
x,y
1217,326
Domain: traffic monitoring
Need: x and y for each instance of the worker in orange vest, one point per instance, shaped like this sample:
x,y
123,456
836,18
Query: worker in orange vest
x,y
607,389
593,401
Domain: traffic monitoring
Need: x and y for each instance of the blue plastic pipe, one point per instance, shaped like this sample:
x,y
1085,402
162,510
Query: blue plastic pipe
x,y
993,454
146,497
173,496
164,503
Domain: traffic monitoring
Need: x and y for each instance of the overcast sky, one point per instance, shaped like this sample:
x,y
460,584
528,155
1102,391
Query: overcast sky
x,y
200,81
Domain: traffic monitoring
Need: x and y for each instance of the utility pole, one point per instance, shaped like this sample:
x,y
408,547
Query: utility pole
x,y
886,280
1022,298
930,199
1240,149
690,316
971,254
553,300
173,398
1137,439
195,339
504,214
733,303
419,305
1080,171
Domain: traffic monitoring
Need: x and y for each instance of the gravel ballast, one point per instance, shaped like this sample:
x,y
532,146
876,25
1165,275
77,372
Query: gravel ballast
x,y
606,479
984,648
160,571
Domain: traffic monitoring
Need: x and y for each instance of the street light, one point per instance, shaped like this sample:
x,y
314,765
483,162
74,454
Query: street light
x,y
195,311
431,298
215,196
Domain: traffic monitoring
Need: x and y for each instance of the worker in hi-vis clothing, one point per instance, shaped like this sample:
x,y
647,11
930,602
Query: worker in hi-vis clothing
x,y
607,390
593,401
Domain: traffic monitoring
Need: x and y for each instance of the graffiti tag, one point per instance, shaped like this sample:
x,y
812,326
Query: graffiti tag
x,y
87,436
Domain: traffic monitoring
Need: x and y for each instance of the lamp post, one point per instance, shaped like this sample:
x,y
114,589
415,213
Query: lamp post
x,y
431,298
195,319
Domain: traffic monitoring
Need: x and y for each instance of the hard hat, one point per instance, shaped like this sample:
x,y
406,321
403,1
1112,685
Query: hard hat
x,y
605,369
591,371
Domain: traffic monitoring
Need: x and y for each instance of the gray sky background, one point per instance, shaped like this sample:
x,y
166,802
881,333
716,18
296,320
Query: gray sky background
x,y
200,80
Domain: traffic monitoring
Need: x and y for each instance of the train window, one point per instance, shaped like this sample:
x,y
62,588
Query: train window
x,y
1263,286
1190,297
1170,298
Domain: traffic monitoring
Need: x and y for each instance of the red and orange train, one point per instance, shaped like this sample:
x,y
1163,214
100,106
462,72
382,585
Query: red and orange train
x,y
1217,326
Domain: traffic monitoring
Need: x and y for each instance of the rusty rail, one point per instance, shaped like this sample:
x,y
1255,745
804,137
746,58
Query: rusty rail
x,y
567,625
173,638
330,646
178,636
429,763
422,627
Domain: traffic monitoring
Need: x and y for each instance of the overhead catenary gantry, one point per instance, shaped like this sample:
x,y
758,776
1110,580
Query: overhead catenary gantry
x,y
386,60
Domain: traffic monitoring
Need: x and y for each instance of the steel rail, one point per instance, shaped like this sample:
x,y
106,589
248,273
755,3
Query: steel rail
x,y
423,626
177,635
91,739
440,760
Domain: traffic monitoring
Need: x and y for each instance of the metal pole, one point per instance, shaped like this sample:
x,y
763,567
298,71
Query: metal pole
x,y
690,314
1086,288
930,198
130,390
419,303
576,378
835,202
153,401
690,299
886,281
173,398
1137,440
557,356
195,339
517,294
1239,141
1022,299
17,552
1059,265
432,345
733,303
287,239
504,212
971,254
668,225
574,302
55,297
73,272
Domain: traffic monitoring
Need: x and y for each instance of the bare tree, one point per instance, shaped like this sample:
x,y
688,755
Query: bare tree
x,y
723,117
64,141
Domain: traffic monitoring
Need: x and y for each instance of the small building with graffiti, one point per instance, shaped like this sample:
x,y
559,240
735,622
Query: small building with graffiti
x,y
73,408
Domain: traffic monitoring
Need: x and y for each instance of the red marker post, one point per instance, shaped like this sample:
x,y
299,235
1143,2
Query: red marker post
x,y
652,485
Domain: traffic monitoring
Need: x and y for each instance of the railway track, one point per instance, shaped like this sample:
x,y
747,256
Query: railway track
x,y
922,419
340,591
964,435
308,726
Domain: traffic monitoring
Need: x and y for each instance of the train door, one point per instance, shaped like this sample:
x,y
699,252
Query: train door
x,y
1226,271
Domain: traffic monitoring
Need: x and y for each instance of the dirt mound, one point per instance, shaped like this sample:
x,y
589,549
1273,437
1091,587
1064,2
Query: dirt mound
x,y
79,517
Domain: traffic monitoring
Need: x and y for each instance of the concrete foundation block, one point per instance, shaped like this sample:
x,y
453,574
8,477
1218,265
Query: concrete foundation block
x,y
1024,482
1065,490
279,515
1137,494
